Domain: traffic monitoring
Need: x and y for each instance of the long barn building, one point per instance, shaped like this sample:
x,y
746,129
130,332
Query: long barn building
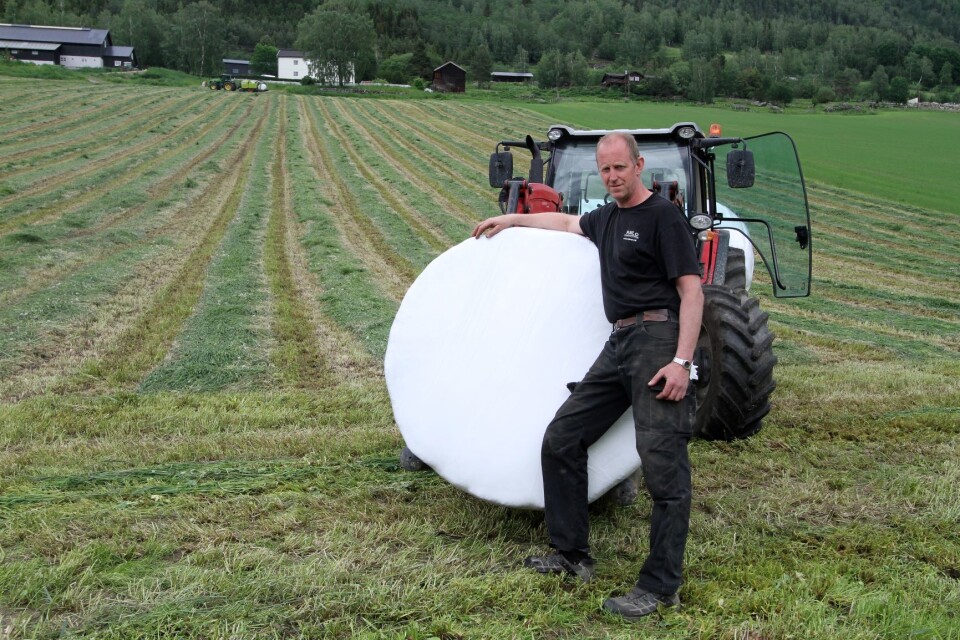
x,y
72,47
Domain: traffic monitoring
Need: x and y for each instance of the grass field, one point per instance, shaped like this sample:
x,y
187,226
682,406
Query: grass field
x,y
894,155
196,440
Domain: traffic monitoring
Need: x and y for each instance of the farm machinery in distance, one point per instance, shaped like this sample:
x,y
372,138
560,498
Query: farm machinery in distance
x,y
227,82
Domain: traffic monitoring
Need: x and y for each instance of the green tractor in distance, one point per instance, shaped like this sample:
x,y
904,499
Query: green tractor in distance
x,y
229,83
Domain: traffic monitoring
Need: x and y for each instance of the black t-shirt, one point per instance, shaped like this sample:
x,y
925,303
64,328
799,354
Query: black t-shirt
x,y
643,250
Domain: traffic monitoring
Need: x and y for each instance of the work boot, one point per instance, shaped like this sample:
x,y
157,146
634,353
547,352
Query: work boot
x,y
557,563
640,602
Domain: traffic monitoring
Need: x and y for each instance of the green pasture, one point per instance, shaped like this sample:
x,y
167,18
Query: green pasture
x,y
898,155
196,440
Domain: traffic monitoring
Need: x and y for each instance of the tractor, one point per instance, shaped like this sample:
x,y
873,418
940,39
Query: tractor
x,y
229,83
759,208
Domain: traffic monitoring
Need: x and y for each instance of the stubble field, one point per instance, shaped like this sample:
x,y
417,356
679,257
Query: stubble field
x,y
196,441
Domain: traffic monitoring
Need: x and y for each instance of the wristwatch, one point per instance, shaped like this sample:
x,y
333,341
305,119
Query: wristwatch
x,y
686,364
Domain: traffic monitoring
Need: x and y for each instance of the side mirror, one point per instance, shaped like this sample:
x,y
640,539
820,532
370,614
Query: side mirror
x,y
501,168
740,169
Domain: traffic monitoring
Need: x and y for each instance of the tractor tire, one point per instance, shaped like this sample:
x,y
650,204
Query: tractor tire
x,y
229,86
410,461
735,274
735,360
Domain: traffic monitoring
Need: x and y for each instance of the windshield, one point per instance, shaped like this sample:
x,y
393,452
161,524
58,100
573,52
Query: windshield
x,y
576,177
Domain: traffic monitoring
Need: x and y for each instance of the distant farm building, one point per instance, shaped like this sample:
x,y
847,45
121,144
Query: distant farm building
x,y
293,65
620,79
71,47
510,76
236,67
450,77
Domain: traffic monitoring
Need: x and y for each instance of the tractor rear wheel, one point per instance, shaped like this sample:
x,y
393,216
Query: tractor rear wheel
x,y
735,361
735,273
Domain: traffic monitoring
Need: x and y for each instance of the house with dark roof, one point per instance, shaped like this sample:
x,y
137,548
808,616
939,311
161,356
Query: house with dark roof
x,y
236,67
450,77
620,79
511,76
71,47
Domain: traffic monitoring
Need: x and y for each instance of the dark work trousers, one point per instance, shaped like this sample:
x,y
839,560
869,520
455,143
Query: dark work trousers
x,y
618,378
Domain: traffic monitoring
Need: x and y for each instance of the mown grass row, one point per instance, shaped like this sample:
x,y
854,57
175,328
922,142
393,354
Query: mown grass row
x,y
393,189
362,277
64,192
407,179
443,174
38,257
54,133
43,111
97,135
145,343
225,341
299,359
101,275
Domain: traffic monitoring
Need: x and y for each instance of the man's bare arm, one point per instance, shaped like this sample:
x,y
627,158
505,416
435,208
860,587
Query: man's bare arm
x,y
550,220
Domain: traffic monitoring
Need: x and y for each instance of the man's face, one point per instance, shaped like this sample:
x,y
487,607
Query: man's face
x,y
620,174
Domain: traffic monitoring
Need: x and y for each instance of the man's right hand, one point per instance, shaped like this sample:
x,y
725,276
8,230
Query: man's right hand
x,y
492,226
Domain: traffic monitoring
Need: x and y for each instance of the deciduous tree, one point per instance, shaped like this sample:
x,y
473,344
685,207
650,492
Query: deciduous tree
x,y
195,40
338,46
264,59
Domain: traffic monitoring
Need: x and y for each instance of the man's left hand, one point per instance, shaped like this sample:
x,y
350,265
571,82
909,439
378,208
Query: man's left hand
x,y
674,379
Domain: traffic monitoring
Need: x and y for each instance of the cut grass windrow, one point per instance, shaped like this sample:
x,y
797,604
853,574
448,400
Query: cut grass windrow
x,y
393,272
353,310
459,194
467,153
111,181
42,110
225,342
100,134
143,344
491,122
419,207
55,135
297,357
370,170
77,315
72,257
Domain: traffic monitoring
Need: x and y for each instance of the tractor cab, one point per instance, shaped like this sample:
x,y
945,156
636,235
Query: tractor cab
x,y
758,206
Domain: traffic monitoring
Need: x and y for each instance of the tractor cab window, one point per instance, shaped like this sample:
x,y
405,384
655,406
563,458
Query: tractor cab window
x,y
575,174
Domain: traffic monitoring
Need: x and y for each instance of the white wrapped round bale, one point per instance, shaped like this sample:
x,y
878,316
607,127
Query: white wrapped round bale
x,y
480,354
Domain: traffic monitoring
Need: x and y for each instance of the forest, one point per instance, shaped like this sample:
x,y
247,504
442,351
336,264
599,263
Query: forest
x,y
773,50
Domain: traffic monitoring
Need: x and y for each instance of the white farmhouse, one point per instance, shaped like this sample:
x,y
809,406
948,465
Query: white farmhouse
x,y
292,65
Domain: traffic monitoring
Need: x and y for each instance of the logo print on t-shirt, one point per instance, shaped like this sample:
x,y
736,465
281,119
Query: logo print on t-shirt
x,y
631,236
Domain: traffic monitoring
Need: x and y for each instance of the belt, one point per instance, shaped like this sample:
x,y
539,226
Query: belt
x,y
650,315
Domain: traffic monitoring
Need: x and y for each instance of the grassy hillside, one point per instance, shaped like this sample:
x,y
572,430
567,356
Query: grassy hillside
x,y
196,441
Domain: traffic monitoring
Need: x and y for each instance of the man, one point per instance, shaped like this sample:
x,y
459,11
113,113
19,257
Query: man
x,y
650,283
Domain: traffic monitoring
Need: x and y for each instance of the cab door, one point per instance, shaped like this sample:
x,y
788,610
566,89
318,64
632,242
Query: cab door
x,y
774,209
